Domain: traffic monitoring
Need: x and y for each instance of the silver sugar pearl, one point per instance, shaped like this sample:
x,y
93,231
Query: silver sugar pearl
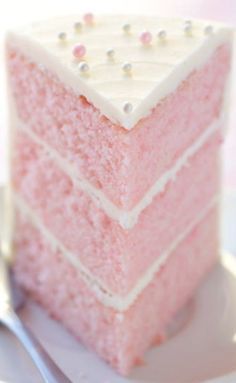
x,y
110,53
188,22
62,36
188,28
128,107
208,30
83,67
127,67
78,26
126,28
161,34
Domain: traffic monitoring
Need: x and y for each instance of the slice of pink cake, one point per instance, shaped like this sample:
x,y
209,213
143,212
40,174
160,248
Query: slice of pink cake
x,y
116,136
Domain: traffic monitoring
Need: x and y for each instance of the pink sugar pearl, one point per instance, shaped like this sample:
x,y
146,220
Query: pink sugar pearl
x,y
88,18
145,37
79,50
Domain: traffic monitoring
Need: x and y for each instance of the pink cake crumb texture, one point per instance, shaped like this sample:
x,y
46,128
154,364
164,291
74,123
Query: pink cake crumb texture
x,y
120,338
104,153
114,255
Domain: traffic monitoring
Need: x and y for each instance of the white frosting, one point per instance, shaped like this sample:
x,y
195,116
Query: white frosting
x,y
127,219
156,69
104,295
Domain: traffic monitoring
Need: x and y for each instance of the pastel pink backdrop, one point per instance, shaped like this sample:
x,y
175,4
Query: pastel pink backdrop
x,y
23,11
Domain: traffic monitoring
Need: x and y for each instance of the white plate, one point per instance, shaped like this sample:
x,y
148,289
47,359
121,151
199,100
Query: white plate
x,y
204,349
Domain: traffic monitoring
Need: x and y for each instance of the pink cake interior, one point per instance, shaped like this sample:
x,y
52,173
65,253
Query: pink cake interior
x,y
117,337
113,254
106,154
61,141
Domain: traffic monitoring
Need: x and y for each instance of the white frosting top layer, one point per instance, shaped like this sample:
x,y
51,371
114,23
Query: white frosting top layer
x,y
157,68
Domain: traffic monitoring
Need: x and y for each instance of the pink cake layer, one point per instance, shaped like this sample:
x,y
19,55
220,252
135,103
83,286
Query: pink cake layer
x,y
123,164
121,339
117,257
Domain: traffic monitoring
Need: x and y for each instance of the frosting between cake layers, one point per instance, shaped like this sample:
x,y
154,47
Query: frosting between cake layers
x,y
127,219
106,297
156,69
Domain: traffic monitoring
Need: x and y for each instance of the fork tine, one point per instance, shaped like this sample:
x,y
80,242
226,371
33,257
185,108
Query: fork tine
x,y
5,291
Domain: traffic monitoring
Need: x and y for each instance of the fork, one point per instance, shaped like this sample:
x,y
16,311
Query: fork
x,y
49,371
